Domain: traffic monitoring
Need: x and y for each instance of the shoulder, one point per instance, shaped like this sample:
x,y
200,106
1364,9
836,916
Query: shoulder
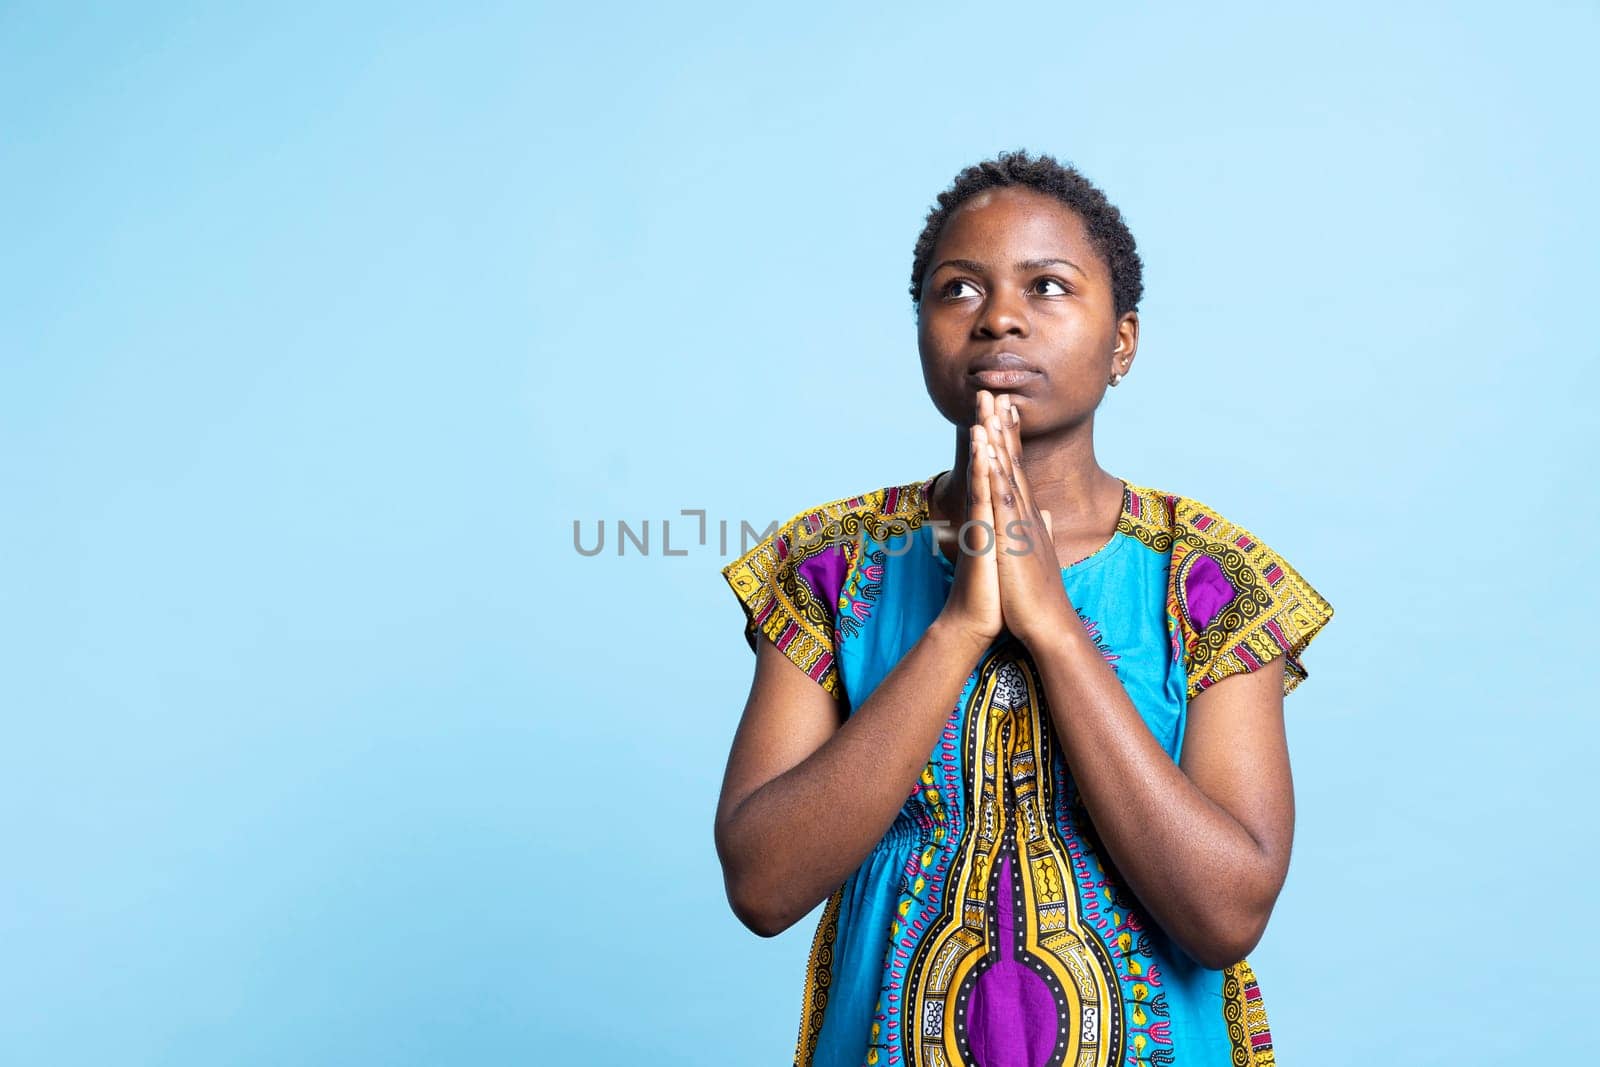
x,y
905,501
831,525
1164,514
790,580
1238,601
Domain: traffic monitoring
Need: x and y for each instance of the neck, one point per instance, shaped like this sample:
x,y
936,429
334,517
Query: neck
x,y
1066,478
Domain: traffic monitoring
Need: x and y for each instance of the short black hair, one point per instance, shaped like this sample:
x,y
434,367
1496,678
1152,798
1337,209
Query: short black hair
x,y
1101,219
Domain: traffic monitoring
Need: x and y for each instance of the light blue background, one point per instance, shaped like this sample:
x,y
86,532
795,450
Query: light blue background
x,y
320,328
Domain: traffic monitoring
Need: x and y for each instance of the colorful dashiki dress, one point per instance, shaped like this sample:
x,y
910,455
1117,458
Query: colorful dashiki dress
x,y
985,928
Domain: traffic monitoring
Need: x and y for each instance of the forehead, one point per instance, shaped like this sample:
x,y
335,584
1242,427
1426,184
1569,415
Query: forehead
x,y
1014,222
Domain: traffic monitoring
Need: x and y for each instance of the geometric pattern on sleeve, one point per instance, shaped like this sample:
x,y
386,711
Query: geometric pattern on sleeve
x,y
789,583
1236,602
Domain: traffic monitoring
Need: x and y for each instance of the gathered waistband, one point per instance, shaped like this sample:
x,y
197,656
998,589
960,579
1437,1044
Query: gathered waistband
x,y
903,834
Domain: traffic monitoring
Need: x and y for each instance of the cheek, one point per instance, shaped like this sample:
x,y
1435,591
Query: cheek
x,y
934,356
1069,393
947,388
948,397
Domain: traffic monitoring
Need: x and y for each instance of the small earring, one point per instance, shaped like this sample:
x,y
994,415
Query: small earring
x,y
1116,378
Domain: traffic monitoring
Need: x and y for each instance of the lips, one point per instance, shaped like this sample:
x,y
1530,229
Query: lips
x,y
1002,370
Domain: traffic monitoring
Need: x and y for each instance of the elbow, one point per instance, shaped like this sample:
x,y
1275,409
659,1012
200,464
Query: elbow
x,y
1222,951
1223,938
752,901
1227,923
760,922
753,907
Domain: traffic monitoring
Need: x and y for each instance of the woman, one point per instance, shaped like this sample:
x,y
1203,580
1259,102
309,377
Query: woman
x,y
1039,779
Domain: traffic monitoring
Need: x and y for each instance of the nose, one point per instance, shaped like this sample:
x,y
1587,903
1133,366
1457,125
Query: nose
x,y
1003,313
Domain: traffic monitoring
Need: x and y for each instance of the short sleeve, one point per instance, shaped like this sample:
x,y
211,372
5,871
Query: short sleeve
x,y
1240,604
788,585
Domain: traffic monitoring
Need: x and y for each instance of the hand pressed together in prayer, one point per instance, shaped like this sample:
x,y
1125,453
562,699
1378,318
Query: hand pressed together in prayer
x,y
1007,575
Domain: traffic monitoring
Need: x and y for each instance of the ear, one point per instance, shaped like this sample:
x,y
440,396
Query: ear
x,y
1127,345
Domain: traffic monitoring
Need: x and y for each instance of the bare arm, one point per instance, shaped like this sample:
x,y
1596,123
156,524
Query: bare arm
x,y
1205,844
805,799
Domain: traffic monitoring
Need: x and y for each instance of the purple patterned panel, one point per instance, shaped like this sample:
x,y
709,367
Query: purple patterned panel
x,y
1207,591
1011,1021
824,573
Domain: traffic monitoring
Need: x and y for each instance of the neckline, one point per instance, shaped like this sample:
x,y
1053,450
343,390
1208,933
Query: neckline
x,y
1098,556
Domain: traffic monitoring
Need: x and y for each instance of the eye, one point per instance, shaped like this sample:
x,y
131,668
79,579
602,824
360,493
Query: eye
x,y
949,288
1065,289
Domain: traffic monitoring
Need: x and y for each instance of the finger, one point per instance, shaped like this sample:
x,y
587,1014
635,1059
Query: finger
x,y
1021,507
1011,520
978,481
1002,458
984,431
1010,422
1003,494
982,507
1047,534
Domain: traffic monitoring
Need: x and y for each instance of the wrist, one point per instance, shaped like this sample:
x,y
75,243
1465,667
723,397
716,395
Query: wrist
x,y
956,633
1056,634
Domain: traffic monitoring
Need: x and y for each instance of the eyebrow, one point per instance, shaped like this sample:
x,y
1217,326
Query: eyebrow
x,y
1026,265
